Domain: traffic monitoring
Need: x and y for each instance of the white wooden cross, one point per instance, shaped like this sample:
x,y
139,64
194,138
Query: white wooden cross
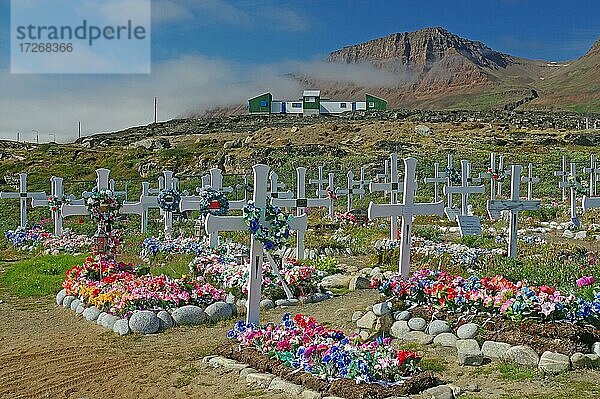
x,y
57,190
141,207
490,175
573,193
563,177
393,187
236,223
300,203
594,172
23,195
214,179
530,180
407,210
81,209
438,178
501,170
514,205
329,190
350,190
465,189
362,182
449,210
276,185
170,184
320,181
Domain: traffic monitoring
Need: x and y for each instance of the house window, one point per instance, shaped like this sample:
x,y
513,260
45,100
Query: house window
x,y
371,104
310,99
342,105
263,103
296,105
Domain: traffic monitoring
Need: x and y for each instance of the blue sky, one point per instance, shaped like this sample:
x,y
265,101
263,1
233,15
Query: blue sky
x,y
237,47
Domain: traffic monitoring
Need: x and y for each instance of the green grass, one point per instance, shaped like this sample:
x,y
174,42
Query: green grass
x,y
39,276
437,365
173,266
250,394
511,372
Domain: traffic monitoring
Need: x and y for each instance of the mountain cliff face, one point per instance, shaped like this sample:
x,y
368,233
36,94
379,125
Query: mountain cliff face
x,y
438,69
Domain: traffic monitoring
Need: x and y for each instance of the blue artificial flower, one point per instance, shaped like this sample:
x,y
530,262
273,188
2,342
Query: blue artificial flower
x,y
254,225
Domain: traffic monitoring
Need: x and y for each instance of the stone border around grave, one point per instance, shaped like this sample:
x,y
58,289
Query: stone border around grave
x,y
151,322
272,383
379,318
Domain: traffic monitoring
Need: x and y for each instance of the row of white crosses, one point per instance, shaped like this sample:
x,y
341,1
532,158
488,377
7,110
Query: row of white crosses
x,y
214,224
324,188
391,186
350,190
406,210
300,203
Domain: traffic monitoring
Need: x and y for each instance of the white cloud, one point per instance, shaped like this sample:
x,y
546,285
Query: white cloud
x,y
191,84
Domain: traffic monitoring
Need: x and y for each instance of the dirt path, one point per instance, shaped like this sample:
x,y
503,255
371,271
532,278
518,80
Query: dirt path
x,y
46,352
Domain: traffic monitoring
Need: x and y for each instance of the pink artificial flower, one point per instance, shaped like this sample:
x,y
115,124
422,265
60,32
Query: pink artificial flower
x,y
585,281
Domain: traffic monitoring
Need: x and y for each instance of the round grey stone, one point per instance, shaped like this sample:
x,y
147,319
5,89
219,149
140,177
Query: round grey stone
x,y
399,329
402,315
101,317
319,297
382,308
121,327
91,313
522,355
417,323
437,327
61,296
552,362
75,303
109,321
67,301
189,315
144,322
219,311
80,309
581,361
267,304
467,331
165,320
357,315
446,339
596,348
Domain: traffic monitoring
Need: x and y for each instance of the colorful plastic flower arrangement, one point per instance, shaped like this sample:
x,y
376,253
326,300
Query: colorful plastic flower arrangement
x,y
55,202
453,175
495,295
35,237
303,344
168,200
213,202
120,289
103,205
226,272
152,246
345,218
276,234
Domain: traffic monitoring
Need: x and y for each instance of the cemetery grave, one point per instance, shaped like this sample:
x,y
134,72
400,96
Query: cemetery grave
x,y
380,267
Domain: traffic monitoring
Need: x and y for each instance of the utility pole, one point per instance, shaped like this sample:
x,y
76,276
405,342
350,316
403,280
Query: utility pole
x,y
155,110
79,129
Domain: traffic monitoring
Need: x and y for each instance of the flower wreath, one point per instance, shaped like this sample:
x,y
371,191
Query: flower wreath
x,y
213,202
575,183
55,202
454,175
103,205
498,175
168,200
277,234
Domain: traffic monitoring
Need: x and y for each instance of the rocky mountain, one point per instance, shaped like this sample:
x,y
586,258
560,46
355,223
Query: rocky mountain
x,y
575,86
438,69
